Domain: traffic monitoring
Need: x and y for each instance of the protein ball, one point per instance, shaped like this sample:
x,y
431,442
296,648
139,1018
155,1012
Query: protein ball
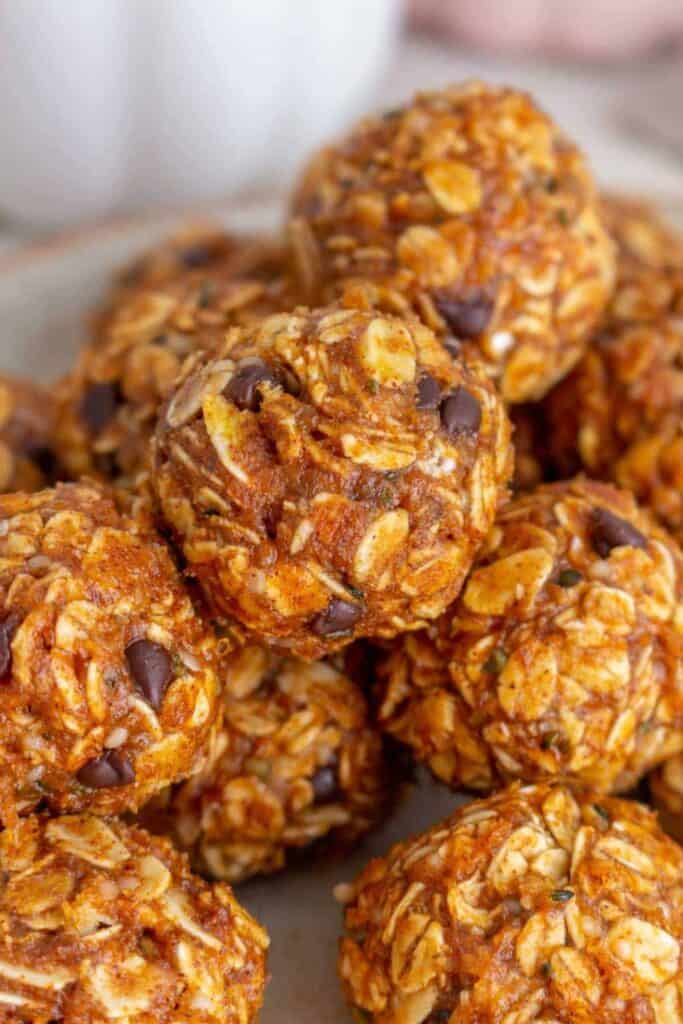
x,y
27,424
619,414
533,905
561,657
109,691
329,475
297,761
104,922
470,207
109,403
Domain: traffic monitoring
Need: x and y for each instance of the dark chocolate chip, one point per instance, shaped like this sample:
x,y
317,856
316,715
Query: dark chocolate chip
x,y
243,386
8,628
109,771
195,256
428,392
107,464
98,405
461,413
339,617
466,317
45,459
325,784
609,531
452,345
151,667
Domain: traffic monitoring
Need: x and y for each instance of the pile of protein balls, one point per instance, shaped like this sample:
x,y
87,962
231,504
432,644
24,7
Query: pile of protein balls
x,y
405,483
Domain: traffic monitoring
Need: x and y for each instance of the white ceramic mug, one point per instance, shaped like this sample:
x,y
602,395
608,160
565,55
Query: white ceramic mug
x,y
114,105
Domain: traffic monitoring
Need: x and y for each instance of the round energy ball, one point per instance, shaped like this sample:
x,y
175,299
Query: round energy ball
x,y
533,905
108,680
619,414
560,658
104,922
297,761
27,423
330,474
109,403
240,273
470,207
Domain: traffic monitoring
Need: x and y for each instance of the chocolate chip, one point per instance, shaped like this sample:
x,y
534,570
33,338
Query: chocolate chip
x,y
45,459
467,318
452,345
428,392
98,405
107,464
151,667
109,771
243,386
339,617
195,256
461,413
609,531
325,784
8,628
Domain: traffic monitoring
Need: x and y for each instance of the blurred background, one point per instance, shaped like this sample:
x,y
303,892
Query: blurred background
x,y
113,107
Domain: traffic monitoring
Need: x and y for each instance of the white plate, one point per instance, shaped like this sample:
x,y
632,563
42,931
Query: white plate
x,y
44,294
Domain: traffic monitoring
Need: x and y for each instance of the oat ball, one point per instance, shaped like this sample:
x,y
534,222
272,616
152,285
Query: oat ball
x,y
330,474
108,679
104,922
27,423
532,905
562,655
297,761
619,414
470,207
109,403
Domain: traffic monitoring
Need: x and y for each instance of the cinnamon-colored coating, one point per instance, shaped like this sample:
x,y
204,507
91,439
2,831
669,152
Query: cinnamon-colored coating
x,y
537,904
297,761
329,475
102,922
470,207
561,657
163,313
109,691
27,423
619,415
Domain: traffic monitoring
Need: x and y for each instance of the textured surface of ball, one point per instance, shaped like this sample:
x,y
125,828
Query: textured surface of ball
x,y
104,922
169,308
297,762
470,207
533,905
27,422
619,414
107,673
561,657
329,475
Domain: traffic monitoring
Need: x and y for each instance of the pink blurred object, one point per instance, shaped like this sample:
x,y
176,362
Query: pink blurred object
x,y
581,28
